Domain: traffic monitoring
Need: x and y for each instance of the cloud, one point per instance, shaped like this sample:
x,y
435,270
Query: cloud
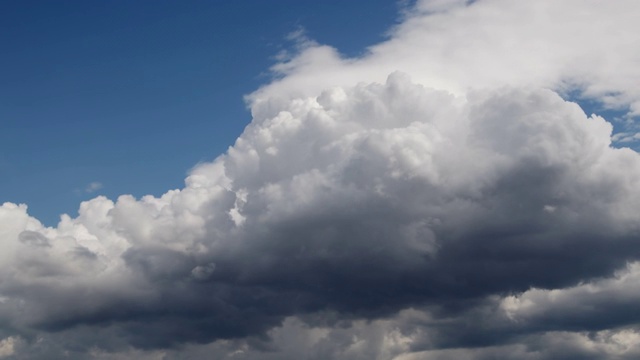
x,y
93,187
90,188
436,198
583,46
7,346
626,137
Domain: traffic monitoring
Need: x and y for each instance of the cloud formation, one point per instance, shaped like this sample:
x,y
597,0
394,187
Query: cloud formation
x,y
434,199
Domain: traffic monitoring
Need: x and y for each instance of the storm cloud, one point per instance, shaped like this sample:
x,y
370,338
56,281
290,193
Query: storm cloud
x,y
437,198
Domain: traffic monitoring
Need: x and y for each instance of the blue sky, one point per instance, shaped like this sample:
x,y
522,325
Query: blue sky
x,y
132,94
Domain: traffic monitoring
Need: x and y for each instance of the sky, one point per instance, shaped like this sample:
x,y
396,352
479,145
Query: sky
x,y
131,95
438,179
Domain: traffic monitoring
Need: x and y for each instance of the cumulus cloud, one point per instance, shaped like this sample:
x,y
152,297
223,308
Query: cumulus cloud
x,y
435,199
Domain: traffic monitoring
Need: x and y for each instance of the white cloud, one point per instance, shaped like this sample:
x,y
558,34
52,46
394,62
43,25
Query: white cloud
x,y
405,203
89,189
93,187
7,346
588,46
626,137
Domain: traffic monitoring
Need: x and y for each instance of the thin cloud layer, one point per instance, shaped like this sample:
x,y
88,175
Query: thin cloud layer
x,y
435,199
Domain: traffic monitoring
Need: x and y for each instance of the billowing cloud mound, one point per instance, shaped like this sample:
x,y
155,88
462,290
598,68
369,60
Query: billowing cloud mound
x,y
435,212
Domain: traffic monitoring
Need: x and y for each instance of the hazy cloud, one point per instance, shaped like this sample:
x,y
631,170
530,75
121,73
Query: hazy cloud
x,y
90,188
93,187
